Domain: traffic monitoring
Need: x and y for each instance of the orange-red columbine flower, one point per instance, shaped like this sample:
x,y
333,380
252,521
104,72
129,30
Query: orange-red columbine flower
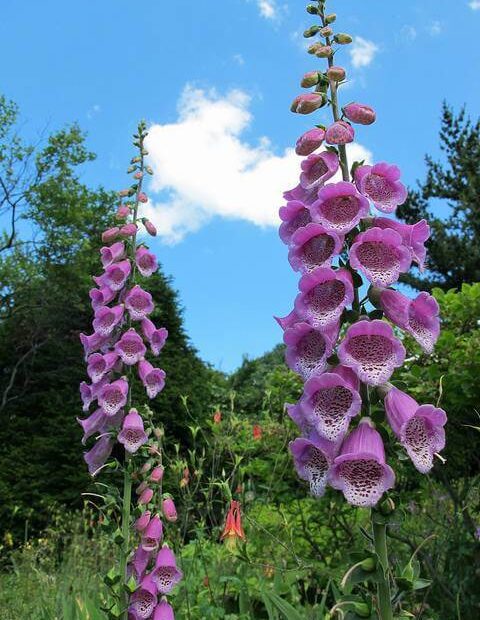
x,y
257,432
233,525
217,417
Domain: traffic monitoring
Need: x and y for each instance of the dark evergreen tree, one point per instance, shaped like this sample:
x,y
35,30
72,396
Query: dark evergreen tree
x,y
454,245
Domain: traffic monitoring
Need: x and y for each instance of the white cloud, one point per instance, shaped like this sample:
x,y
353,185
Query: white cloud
x,y
408,33
205,169
268,8
239,60
93,111
362,52
474,5
436,27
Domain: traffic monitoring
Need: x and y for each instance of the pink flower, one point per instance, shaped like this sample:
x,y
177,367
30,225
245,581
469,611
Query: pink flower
x,y
318,168
146,262
419,316
128,230
380,184
339,133
169,509
106,319
413,236
163,611
157,474
360,113
418,428
149,227
307,103
313,246
113,396
142,521
308,348
99,365
145,497
123,212
310,141
372,351
339,207
156,337
142,197
313,459
112,254
380,255
166,574
130,347
153,534
324,293
101,296
360,471
132,435
152,378
144,600
116,275
294,215
110,234
139,303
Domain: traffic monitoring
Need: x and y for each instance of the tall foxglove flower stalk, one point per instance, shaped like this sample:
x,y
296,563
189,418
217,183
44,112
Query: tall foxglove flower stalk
x,y
342,236
123,337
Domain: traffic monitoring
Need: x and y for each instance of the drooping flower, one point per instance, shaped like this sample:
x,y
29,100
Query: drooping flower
x,y
413,236
305,196
308,348
339,207
339,132
313,246
360,113
324,293
157,474
145,496
138,564
152,535
101,296
112,254
163,611
310,141
95,458
360,471
92,424
130,347
289,320
116,274
233,530
93,342
132,435
99,365
146,261
317,169
166,574
152,378
144,600
371,349
313,460
150,227
142,521
106,319
297,415
169,509
380,255
419,317
139,303
113,396
380,183
330,401
156,337
90,393
419,428
294,215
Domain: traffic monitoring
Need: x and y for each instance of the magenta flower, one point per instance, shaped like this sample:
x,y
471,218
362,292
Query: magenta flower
x,y
418,428
144,600
324,293
166,574
163,611
142,197
113,396
380,183
305,196
145,496
116,275
95,458
152,378
112,254
110,234
142,521
330,401
123,211
169,509
307,103
339,207
419,316
380,255
146,262
360,471
318,168
294,215
132,435
308,348
128,230
89,393
149,227
372,351
92,424
156,337
310,141
339,133
313,460
313,246
139,303
138,564
99,365
106,319
101,296
152,535
360,113
288,321
93,342
130,347
413,236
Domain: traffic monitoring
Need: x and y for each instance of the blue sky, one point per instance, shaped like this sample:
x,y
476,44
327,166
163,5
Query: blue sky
x,y
215,80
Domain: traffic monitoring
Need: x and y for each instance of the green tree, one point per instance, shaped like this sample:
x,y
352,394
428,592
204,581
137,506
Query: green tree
x,y
454,245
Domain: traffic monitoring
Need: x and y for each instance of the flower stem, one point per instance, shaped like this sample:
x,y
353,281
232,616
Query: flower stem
x,y
383,586
127,499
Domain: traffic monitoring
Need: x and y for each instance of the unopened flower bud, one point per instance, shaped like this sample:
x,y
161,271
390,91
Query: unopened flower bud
x,y
110,234
339,133
311,32
312,9
124,192
142,197
146,467
169,509
336,74
309,79
326,31
158,432
141,488
142,521
136,159
305,104
324,51
360,113
149,227
129,230
329,19
342,38
145,497
368,565
138,175
310,141
157,474
149,169
122,212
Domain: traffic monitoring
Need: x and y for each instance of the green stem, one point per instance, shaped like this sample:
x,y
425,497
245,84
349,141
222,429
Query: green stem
x,y
127,500
383,586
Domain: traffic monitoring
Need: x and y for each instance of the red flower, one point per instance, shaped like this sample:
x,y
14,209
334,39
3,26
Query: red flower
x,y
257,432
217,417
233,525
